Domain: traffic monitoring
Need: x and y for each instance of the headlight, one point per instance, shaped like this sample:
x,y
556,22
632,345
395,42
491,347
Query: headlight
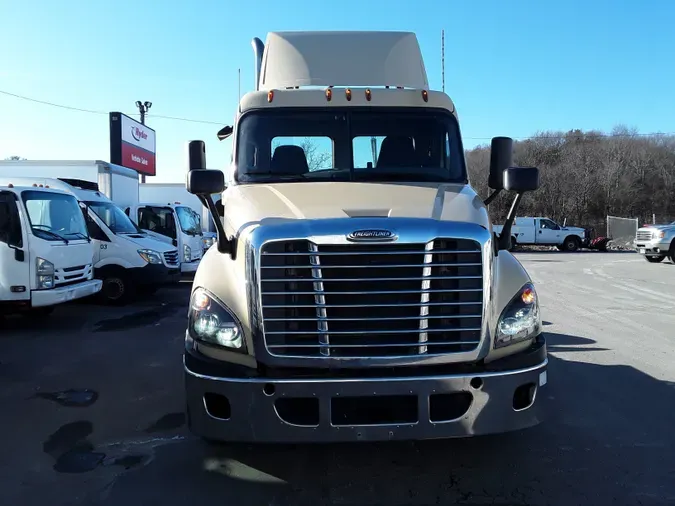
x,y
207,242
187,253
152,257
209,321
44,270
660,234
520,319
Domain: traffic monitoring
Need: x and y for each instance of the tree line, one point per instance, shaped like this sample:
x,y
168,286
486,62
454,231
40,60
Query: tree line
x,y
586,176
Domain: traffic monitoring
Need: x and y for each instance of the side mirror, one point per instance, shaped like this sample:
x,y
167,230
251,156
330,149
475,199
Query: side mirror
x,y
224,133
520,179
205,182
501,158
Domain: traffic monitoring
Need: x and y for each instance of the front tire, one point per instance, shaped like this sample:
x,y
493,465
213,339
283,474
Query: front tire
x,y
571,244
116,290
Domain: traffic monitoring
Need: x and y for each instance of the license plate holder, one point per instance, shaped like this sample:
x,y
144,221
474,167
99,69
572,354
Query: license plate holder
x,y
641,251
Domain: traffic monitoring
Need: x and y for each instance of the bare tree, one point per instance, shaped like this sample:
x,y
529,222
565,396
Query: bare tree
x,y
587,175
14,158
317,157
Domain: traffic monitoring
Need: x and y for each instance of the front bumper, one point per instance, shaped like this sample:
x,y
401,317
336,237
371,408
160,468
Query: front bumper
x,y
154,275
324,409
653,248
53,296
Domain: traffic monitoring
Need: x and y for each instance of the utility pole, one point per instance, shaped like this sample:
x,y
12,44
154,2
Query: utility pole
x,y
143,108
443,58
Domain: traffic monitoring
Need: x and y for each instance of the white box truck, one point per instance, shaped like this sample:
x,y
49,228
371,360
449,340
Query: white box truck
x,y
46,254
356,293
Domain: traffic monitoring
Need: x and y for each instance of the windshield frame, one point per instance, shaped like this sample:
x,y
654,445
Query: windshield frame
x,y
90,203
44,234
346,132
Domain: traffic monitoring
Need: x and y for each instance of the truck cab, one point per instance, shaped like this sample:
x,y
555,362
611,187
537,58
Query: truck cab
x,y
656,242
46,254
356,290
175,224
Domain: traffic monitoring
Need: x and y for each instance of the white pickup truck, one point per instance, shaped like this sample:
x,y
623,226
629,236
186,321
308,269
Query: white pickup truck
x,y
545,232
656,242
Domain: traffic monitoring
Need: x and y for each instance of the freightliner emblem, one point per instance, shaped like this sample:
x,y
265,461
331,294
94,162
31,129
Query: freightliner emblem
x,y
372,235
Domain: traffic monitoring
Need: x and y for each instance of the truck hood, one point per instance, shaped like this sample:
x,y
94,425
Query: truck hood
x,y
573,229
248,205
63,256
670,226
151,243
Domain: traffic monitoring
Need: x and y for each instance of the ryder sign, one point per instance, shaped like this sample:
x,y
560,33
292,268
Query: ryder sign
x,y
132,144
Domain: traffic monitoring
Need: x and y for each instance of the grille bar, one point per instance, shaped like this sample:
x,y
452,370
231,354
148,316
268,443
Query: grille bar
x,y
644,235
378,345
371,300
372,253
421,317
357,332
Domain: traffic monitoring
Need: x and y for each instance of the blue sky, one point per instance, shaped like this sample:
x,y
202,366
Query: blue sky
x,y
512,67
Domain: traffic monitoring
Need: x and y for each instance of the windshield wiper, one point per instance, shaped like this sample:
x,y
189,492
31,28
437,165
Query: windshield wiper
x,y
401,176
79,235
280,175
50,233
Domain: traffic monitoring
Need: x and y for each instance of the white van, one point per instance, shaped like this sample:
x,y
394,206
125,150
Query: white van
x,y
46,254
126,259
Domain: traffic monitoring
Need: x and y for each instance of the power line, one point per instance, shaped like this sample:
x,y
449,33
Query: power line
x,y
207,122
92,111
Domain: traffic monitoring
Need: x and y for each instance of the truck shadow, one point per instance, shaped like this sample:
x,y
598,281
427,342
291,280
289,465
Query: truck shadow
x,y
598,446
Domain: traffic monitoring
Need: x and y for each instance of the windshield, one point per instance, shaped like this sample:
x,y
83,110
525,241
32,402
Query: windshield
x,y
350,145
157,219
188,223
113,217
54,216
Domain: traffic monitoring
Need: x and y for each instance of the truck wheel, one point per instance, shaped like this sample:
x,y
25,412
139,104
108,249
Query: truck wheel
x,y
671,252
571,243
514,244
654,260
116,290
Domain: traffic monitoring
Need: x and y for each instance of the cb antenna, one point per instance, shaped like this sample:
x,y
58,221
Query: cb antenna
x,y
443,58
239,81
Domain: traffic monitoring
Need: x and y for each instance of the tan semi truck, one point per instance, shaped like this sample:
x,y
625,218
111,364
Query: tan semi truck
x,y
356,290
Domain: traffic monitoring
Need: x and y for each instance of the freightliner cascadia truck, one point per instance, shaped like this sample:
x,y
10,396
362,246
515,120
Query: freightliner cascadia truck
x,y
356,290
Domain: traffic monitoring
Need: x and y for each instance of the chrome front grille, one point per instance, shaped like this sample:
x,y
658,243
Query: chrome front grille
x,y
171,257
377,300
644,235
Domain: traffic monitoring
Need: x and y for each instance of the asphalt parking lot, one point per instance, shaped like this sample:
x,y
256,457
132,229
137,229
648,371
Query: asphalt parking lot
x,y
91,405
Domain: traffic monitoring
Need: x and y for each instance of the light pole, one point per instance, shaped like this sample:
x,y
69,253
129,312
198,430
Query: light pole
x,y
143,108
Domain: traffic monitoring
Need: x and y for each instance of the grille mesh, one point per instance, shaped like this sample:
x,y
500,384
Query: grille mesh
x,y
380,300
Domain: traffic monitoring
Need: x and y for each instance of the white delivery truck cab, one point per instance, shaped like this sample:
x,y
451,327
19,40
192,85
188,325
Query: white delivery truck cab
x,y
126,259
176,225
357,290
175,195
46,255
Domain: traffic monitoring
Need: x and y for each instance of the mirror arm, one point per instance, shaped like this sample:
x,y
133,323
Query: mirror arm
x,y
505,237
225,245
492,196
